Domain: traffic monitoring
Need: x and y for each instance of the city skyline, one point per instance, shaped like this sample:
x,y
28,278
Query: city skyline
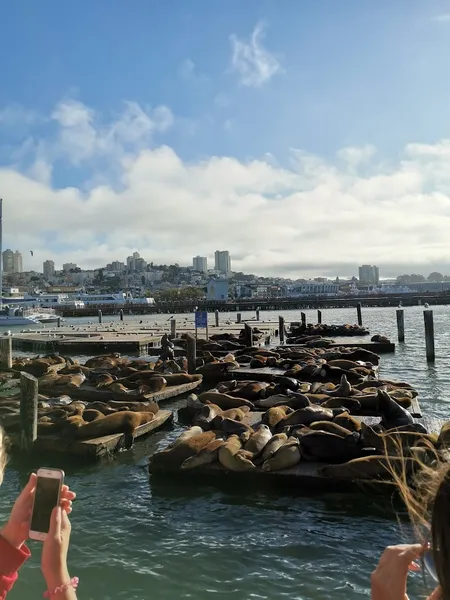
x,y
262,131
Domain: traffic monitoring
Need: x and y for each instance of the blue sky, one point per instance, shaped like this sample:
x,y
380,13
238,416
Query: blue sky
x,y
246,80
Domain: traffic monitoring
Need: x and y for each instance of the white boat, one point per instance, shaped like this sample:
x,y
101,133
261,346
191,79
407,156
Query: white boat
x,y
10,316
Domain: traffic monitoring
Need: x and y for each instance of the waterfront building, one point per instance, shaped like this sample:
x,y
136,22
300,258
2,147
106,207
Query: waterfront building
x,y
48,268
217,289
200,263
369,274
222,261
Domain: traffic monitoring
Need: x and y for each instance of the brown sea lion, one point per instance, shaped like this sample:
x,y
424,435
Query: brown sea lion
x,y
393,415
348,421
205,456
276,414
344,364
221,423
229,458
181,378
271,447
90,414
286,457
104,380
76,380
250,391
121,422
236,414
173,457
225,401
258,439
370,467
352,404
343,390
306,416
331,427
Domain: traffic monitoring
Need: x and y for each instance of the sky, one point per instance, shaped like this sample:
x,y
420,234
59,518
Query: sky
x,y
305,137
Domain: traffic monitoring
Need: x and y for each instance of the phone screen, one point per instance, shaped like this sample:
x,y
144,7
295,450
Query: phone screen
x,y
45,499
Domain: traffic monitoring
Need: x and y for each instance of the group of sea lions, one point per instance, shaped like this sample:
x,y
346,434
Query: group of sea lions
x,y
315,424
131,383
302,329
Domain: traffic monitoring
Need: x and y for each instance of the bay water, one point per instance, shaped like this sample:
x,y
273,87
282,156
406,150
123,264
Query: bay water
x,y
135,539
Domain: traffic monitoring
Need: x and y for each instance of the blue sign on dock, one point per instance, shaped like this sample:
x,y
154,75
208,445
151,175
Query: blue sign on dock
x,y
201,319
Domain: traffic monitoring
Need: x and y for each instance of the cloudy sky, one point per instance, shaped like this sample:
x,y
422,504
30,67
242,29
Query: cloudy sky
x,y
305,137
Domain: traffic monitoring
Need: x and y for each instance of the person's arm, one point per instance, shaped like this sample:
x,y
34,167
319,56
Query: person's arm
x,y
11,559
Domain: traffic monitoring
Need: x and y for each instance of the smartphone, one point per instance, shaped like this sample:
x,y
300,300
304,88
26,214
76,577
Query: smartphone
x,y
46,496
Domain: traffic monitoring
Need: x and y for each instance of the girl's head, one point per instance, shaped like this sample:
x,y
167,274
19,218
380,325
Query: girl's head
x,y
3,453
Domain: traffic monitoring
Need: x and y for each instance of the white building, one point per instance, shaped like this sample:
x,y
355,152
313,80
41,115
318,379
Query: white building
x,y
12,261
48,268
69,267
313,289
369,274
200,263
222,261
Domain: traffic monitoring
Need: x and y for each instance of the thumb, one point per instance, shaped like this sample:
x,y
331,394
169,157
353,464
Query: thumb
x,y
28,489
55,522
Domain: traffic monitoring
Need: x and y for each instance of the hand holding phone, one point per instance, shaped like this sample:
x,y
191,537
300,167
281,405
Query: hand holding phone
x,y
47,496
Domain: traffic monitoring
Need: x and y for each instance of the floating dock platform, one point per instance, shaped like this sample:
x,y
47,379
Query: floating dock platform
x,y
96,448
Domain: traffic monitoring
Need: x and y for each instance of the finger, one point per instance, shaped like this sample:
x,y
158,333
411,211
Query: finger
x,y
55,522
414,567
65,523
68,494
66,506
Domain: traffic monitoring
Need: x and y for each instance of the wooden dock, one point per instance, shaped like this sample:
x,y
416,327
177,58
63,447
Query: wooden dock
x,y
96,448
91,394
304,476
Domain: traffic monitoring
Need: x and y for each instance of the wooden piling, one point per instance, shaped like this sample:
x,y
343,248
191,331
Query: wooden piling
x,y
216,314
319,316
429,334
238,318
28,410
100,316
257,314
358,312
5,352
121,314
248,339
281,329
303,316
58,322
401,324
191,347
173,328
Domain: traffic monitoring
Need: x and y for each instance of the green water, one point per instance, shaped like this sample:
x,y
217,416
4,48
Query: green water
x,y
137,540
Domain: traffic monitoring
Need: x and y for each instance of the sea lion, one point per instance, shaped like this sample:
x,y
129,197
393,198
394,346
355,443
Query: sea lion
x,y
271,447
273,401
284,458
288,383
91,414
329,447
236,414
221,423
348,421
216,370
206,415
352,404
191,432
276,414
76,380
306,416
252,390
343,390
47,428
331,427
173,457
259,439
227,455
393,415
344,364
370,467
226,386
224,400
125,422
205,456
395,442
104,379
156,384
181,378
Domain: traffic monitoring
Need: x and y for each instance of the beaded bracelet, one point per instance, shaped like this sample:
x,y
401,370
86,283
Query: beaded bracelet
x,y
62,588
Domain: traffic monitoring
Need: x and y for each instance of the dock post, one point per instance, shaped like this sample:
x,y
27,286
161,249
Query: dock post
x,y
401,324
248,336
191,353
257,314
100,316
58,322
358,311
319,316
281,329
303,316
5,352
28,410
429,334
173,328
216,314
121,314
238,318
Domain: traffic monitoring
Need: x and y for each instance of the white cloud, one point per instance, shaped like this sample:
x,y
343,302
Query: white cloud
x,y
356,155
311,217
254,64
444,18
14,114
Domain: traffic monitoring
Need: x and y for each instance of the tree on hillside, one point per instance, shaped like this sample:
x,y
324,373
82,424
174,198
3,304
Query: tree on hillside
x,y
435,276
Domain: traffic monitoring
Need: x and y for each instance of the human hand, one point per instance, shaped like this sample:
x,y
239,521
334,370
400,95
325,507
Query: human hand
x,y
55,548
16,531
388,581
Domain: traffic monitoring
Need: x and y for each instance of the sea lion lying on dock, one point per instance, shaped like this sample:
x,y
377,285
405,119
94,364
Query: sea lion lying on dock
x,y
329,447
207,455
287,456
231,458
258,440
393,415
125,422
306,416
173,458
225,401
370,467
276,414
